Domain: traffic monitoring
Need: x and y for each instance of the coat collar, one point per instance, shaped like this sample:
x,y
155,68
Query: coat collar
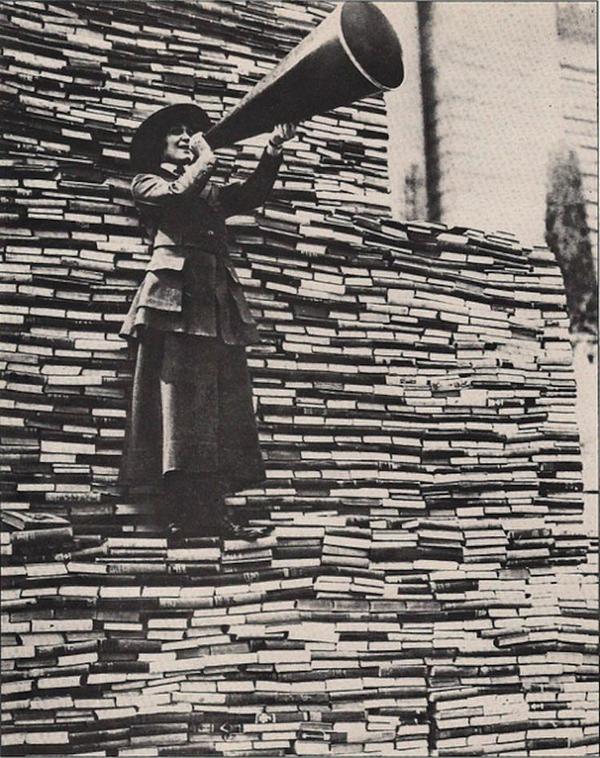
x,y
170,168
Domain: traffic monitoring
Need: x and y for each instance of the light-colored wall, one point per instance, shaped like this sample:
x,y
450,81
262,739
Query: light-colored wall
x,y
512,83
497,88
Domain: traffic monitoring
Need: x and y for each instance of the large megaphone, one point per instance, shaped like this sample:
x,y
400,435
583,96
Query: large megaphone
x,y
353,53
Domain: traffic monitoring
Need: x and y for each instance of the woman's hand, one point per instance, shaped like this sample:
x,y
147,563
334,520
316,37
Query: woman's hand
x,y
202,150
280,134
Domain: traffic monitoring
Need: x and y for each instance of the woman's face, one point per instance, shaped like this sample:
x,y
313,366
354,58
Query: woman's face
x,y
177,145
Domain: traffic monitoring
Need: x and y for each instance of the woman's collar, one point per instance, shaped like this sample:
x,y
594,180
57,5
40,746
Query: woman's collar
x,y
170,167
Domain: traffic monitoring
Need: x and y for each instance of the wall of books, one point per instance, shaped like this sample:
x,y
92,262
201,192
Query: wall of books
x,y
426,588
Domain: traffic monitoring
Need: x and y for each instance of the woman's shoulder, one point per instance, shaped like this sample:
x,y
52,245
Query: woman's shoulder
x,y
147,185
146,175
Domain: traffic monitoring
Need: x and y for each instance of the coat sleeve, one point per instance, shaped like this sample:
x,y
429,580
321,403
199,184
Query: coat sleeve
x,y
151,190
240,197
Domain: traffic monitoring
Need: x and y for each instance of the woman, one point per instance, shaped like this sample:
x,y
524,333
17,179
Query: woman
x,y
191,428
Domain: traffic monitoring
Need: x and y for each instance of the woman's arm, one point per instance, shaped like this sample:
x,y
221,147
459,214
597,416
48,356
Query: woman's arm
x,y
241,197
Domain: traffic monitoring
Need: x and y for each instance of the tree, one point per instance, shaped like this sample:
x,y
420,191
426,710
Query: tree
x,y
568,236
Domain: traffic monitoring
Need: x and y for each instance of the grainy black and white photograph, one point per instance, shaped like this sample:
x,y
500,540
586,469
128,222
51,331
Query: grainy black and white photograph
x,y
299,369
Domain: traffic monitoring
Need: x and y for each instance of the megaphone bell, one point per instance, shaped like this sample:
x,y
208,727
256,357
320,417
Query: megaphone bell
x,y
353,53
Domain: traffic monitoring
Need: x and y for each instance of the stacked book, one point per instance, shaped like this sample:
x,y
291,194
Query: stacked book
x,y
426,586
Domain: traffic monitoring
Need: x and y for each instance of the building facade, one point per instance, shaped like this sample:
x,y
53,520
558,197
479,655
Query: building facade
x,y
494,94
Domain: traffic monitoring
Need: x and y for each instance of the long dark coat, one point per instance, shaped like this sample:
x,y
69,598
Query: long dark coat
x,y
191,404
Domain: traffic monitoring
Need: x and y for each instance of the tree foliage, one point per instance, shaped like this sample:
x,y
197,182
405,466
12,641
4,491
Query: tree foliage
x,y
568,236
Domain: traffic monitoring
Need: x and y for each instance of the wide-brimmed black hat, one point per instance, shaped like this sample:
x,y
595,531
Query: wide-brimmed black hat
x,y
148,142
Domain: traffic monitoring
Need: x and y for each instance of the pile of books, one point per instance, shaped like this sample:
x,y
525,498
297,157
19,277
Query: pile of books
x,y
426,587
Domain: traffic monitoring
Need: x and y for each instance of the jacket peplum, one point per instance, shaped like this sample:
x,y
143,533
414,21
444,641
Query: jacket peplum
x,y
191,284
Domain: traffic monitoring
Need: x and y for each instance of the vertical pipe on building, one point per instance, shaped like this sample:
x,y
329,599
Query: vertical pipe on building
x,y
406,148
425,13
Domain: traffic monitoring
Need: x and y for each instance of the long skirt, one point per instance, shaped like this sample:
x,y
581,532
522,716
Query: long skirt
x,y
191,411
